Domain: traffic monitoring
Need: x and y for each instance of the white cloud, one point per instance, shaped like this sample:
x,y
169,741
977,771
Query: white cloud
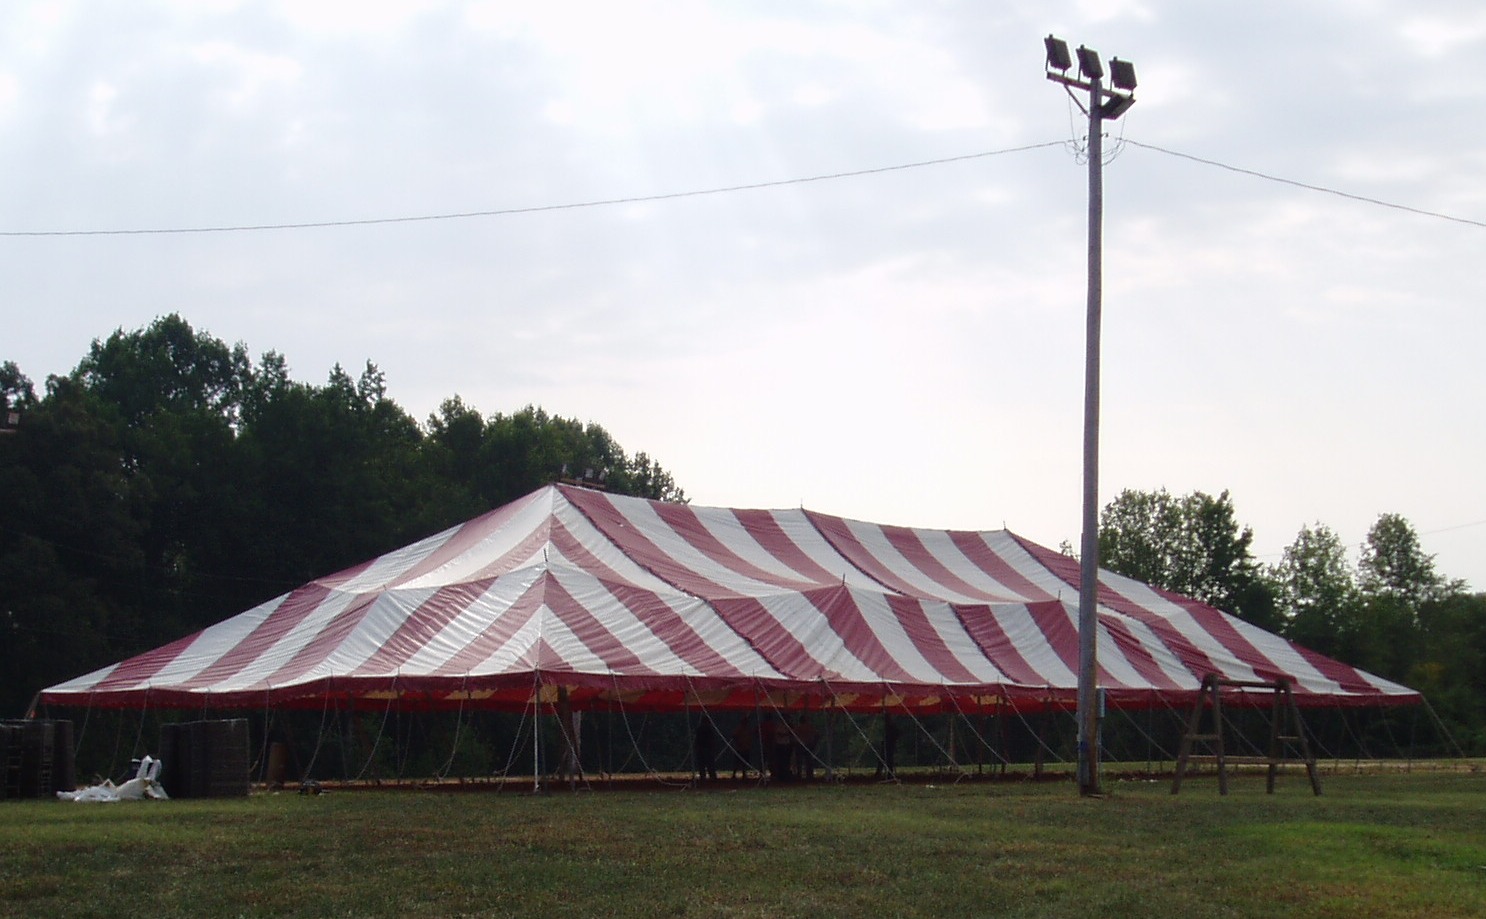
x,y
905,346
250,72
342,17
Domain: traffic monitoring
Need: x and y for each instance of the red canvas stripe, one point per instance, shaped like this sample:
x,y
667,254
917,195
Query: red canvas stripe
x,y
607,519
684,522
314,652
139,670
497,632
984,628
543,658
1057,626
839,535
980,554
774,643
1348,678
767,532
1137,654
915,621
589,629
290,613
1216,624
680,637
912,548
514,557
1065,567
575,551
437,611
469,535
1193,658
840,608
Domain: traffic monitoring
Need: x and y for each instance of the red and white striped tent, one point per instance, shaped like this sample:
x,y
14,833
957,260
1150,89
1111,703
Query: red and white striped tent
x,y
612,601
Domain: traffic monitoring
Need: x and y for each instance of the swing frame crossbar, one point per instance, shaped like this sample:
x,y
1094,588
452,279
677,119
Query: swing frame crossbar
x,y
1287,736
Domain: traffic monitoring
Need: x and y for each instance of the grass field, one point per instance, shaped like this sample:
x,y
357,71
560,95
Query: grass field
x,y
1373,845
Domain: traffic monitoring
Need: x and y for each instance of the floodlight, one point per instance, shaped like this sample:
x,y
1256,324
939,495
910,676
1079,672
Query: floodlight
x,y
1121,73
1088,63
1115,107
1057,53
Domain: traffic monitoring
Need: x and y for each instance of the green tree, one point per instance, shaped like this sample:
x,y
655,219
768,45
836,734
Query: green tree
x,y
1393,564
69,545
166,366
1192,545
1316,591
1397,584
502,458
168,482
1450,667
16,391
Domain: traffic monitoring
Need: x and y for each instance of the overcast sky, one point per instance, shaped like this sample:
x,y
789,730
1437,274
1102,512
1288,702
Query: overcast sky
x,y
902,346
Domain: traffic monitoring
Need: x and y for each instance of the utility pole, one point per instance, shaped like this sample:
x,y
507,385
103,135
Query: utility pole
x,y
1104,105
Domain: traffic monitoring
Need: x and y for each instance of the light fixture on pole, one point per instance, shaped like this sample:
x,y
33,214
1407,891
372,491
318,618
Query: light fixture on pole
x,y
1104,105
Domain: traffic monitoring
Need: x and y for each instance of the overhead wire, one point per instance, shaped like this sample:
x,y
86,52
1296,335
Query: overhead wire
x,y
1307,185
1078,150
534,209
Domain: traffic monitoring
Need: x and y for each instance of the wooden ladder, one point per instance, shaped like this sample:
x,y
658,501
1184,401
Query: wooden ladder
x,y
1286,733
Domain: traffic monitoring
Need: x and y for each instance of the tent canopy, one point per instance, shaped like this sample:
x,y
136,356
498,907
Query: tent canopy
x,y
606,601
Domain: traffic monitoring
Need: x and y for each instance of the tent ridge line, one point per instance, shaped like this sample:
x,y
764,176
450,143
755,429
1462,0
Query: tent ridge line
x,y
600,530
810,519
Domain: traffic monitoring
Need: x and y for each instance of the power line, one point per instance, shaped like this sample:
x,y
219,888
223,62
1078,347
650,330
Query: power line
x,y
722,190
535,209
1309,187
1458,526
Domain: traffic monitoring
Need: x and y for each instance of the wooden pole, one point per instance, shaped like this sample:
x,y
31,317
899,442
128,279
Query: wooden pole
x,y
1088,589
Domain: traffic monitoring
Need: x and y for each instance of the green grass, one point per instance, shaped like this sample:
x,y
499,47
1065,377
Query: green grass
x,y
1373,845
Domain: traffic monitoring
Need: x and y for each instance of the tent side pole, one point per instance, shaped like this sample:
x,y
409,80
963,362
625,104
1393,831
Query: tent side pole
x,y
536,738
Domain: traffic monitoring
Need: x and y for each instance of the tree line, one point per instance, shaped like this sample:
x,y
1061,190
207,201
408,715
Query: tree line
x,y
170,481
1391,613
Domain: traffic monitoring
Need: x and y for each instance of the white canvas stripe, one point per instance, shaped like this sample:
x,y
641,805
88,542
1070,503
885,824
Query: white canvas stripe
x,y
796,615
574,653
1016,556
511,655
892,636
387,613
635,636
941,545
1143,596
722,639
215,643
727,529
1165,659
642,516
471,624
951,630
1111,658
1022,630
872,538
390,567
491,548
1284,656
88,681
797,527
606,552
